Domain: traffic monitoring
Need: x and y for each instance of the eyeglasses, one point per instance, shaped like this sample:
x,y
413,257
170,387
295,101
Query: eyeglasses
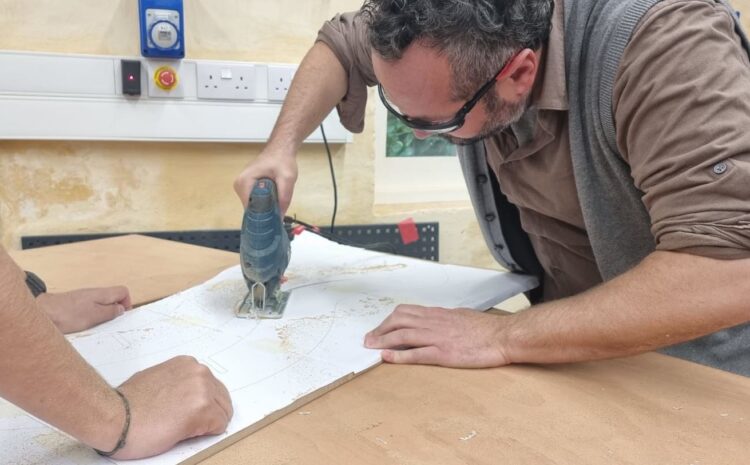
x,y
453,124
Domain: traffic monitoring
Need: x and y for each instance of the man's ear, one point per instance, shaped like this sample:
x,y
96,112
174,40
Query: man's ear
x,y
518,78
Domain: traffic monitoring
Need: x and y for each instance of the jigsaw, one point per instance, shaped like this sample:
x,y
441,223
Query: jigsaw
x,y
265,250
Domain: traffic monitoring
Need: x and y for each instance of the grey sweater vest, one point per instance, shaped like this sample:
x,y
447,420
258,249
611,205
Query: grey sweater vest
x,y
596,35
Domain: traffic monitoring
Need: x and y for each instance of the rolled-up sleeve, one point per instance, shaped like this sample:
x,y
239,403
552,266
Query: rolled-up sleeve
x,y
346,36
682,112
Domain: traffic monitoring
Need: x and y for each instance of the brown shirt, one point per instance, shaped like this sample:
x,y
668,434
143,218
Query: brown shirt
x,y
682,113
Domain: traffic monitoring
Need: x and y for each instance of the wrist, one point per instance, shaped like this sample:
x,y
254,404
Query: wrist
x,y
285,149
113,424
55,306
122,439
509,335
46,303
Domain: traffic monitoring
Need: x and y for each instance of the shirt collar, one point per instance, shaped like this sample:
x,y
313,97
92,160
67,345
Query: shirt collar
x,y
550,91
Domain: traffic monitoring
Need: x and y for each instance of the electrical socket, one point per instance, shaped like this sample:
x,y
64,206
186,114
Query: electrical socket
x,y
279,80
226,81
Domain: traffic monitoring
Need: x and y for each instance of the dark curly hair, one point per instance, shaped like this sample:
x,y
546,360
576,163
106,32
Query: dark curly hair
x,y
477,36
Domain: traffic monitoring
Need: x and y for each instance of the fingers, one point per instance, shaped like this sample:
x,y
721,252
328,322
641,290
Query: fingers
x,y
404,316
217,400
217,411
111,303
127,302
242,186
115,295
430,355
172,401
401,338
224,400
105,313
280,166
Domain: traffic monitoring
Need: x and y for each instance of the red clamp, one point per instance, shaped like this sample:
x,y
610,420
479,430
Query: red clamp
x,y
408,230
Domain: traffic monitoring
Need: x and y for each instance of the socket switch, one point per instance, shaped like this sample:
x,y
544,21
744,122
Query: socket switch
x,y
226,81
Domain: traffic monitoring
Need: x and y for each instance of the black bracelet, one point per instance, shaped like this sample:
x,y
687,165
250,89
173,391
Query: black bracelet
x,y
125,428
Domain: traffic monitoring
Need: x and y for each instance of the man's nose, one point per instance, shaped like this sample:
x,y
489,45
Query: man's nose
x,y
421,134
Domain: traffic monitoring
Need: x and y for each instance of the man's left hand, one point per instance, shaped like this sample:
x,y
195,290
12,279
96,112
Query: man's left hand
x,y
84,308
460,338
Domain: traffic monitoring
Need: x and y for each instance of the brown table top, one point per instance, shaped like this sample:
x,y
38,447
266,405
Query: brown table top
x,y
649,409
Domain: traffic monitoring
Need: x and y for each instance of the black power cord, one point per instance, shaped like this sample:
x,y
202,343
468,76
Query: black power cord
x,y
386,247
378,246
333,178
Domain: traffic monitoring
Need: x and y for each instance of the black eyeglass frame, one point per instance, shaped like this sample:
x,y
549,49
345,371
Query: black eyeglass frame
x,y
452,124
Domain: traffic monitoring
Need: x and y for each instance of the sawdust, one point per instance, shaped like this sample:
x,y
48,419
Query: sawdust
x,y
370,427
367,306
62,446
189,321
294,330
228,284
284,338
138,330
341,271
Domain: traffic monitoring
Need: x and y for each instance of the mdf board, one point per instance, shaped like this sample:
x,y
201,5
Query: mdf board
x,y
150,268
338,294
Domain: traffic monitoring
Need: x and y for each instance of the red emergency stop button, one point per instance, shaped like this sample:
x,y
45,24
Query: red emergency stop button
x,y
165,77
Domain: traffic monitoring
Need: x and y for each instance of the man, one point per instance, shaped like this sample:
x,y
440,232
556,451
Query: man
x,y
613,132
41,373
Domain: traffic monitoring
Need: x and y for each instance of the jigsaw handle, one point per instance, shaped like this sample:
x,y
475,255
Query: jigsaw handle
x,y
264,242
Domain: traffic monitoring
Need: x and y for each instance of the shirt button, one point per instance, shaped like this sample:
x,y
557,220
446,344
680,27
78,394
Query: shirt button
x,y
482,179
490,217
720,168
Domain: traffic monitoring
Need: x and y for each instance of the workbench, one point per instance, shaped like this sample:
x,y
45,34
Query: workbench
x,y
648,409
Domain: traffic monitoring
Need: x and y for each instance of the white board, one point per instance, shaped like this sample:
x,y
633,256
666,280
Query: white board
x,y
339,293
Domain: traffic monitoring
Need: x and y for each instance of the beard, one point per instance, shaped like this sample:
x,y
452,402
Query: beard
x,y
500,115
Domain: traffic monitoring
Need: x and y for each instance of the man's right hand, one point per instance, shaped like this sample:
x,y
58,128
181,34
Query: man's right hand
x,y
170,402
280,167
319,84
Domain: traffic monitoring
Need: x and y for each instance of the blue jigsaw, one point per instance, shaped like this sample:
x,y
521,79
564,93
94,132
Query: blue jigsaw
x,y
265,250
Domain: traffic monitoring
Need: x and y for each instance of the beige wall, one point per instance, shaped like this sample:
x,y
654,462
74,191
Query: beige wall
x,y
76,187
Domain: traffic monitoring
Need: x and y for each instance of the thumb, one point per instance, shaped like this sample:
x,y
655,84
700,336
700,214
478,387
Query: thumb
x,y
106,313
242,186
115,295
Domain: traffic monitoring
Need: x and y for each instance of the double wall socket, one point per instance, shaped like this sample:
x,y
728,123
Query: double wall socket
x,y
226,81
279,81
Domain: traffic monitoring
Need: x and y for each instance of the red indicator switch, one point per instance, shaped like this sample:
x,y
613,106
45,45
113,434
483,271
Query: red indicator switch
x,y
165,77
